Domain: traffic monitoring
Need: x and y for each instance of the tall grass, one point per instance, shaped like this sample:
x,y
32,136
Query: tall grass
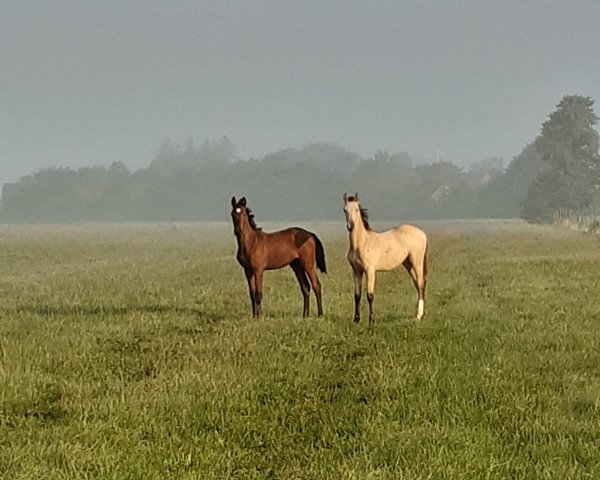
x,y
129,352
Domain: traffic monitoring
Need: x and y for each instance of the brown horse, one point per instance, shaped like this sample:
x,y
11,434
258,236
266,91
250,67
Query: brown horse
x,y
371,252
259,251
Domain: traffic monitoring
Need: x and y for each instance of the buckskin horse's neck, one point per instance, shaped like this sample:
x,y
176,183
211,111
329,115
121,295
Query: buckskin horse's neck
x,y
357,234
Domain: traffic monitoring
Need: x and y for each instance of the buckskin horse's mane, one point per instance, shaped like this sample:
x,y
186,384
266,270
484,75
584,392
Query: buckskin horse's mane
x,y
364,213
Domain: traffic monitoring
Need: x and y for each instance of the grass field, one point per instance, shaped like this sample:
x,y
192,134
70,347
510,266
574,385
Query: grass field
x,y
129,352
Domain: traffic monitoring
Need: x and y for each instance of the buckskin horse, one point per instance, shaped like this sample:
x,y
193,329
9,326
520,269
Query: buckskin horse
x,y
370,252
259,251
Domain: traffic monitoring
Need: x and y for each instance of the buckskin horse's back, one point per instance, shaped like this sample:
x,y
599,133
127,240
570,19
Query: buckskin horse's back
x,y
411,234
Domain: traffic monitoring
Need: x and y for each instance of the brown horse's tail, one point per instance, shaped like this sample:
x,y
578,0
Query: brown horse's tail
x,y
320,254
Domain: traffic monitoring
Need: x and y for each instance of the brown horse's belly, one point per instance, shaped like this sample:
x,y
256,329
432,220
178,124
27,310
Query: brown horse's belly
x,y
276,260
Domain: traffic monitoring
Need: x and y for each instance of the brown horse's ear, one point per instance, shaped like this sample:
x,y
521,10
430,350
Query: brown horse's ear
x,y
356,197
242,201
233,202
345,198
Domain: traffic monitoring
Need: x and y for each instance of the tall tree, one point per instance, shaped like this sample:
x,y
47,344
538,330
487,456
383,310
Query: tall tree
x,y
568,144
568,141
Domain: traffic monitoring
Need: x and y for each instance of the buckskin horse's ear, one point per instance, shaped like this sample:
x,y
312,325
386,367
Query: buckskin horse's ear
x,y
345,198
233,202
356,197
243,201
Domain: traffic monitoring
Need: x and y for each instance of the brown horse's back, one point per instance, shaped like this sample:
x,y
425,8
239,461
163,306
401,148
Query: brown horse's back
x,y
279,249
285,246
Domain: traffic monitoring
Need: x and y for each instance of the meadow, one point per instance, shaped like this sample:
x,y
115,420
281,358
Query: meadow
x,y
129,352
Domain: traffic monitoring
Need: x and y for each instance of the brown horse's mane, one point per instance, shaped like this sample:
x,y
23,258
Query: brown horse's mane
x,y
251,220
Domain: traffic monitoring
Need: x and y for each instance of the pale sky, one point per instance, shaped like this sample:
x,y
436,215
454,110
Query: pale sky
x,y
91,82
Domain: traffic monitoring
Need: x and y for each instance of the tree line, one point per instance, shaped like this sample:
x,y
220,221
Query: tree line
x,y
558,170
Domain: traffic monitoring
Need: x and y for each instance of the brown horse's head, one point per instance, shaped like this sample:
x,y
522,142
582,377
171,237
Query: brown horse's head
x,y
238,212
241,215
354,212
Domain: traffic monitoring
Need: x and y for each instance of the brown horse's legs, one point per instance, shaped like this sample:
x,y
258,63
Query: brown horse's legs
x,y
258,284
357,275
251,289
371,292
316,285
304,285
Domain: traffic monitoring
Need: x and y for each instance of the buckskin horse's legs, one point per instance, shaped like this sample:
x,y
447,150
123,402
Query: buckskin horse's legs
x,y
421,283
371,292
413,275
418,277
357,274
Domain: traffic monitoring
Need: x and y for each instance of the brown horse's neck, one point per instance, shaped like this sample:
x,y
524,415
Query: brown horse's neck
x,y
246,236
357,234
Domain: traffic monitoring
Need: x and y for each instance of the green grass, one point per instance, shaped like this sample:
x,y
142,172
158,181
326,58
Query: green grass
x,y
129,352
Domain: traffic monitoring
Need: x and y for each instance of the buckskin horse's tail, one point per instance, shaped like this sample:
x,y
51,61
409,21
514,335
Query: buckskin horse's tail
x,y
426,259
320,254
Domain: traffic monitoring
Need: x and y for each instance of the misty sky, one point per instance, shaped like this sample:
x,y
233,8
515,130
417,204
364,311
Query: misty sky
x,y
85,82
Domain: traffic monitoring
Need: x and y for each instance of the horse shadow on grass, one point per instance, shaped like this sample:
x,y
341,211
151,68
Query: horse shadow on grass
x,y
93,311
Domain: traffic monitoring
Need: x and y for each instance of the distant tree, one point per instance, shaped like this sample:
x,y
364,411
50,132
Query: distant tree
x,y
119,168
441,174
165,160
172,159
568,141
568,144
400,160
524,168
484,170
551,192
191,182
218,153
504,194
330,156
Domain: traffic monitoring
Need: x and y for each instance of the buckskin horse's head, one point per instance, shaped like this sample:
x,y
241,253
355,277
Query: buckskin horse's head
x,y
351,210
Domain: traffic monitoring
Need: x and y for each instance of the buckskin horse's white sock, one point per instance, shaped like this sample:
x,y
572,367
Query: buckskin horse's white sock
x,y
420,309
